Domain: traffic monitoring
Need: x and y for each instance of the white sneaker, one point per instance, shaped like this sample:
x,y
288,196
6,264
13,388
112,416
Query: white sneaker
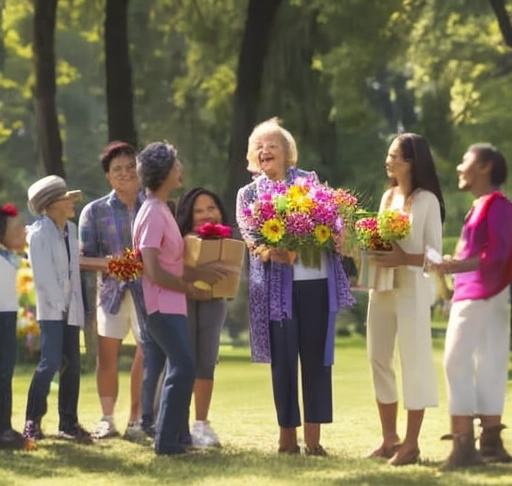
x,y
104,428
203,435
134,432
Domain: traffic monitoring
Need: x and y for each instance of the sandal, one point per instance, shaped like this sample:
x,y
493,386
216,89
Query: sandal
x,y
386,452
405,458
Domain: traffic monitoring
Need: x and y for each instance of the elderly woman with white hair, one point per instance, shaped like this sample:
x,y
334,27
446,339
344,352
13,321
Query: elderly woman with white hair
x,y
292,307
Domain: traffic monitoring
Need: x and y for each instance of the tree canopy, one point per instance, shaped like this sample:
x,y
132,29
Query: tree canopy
x,y
343,77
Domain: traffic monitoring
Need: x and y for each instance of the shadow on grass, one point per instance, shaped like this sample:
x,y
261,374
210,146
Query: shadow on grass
x,y
127,463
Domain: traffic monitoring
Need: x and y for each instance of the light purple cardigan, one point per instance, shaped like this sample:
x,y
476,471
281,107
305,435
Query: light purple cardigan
x,y
270,283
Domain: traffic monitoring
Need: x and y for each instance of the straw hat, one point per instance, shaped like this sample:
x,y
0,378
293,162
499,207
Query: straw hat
x,y
46,191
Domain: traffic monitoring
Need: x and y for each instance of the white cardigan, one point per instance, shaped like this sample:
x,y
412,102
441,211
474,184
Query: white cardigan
x,y
57,281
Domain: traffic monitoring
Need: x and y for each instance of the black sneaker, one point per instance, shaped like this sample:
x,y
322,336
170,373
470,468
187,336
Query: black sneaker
x,y
11,439
33,430
76,433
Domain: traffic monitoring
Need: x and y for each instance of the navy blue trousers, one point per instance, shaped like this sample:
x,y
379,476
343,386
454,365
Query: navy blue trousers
x,y
7,361
302,337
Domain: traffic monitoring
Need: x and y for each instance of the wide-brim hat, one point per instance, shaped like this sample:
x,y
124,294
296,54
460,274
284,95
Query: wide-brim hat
x,y
46,191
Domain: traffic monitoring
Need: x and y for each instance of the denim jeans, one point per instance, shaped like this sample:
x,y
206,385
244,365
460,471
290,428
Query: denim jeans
x,y
7,361
170,332
153,364
60,351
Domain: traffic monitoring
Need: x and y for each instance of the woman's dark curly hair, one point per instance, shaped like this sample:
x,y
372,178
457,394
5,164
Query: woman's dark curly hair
x,y
185,208
154,163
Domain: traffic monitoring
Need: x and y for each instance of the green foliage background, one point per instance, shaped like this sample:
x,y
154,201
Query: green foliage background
x,y
343,77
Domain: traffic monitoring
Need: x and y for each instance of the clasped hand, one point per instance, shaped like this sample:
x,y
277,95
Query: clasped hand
x,y
212,272
392,258
444,268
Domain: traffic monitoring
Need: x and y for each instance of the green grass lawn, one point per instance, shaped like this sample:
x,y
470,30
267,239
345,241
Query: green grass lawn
x,y
243,416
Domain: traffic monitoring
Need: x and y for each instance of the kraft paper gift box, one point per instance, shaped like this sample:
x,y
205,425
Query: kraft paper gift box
x,y
199,251
373,277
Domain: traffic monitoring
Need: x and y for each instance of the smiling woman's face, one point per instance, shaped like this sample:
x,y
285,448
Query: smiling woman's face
x,y
205,211
122,173
271,153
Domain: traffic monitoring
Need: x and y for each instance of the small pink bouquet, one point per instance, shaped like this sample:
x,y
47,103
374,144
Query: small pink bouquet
x,y
306,217
377,233
210,231
393,225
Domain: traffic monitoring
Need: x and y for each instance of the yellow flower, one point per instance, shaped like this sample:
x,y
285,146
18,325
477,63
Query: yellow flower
x,y
322,233
273,230
296,191
25,281
299,200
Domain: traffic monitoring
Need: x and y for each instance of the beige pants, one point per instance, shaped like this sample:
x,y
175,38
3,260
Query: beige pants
x,y
476,355
402,315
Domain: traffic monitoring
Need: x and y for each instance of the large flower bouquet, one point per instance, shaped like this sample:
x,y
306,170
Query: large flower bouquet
x,y
306,217
377,233
126,267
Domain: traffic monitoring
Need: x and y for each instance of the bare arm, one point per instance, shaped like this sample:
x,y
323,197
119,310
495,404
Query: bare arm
x,y
96,264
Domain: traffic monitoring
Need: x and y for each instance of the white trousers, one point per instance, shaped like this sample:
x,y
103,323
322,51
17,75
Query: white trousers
x,y
402,315
476,355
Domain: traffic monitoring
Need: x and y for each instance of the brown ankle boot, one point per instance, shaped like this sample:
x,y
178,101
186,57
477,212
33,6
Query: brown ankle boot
x,y
491,445
464,453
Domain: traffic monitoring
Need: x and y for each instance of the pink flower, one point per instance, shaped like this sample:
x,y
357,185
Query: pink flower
x,y
267,210
210,230
299,224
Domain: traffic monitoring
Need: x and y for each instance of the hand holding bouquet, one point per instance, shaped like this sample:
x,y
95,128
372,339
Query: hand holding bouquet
x,y
128,266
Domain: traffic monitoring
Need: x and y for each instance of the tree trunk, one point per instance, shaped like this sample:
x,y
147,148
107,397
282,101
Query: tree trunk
x,y
504,21
49,144
2,43
121,124
89,289
258,28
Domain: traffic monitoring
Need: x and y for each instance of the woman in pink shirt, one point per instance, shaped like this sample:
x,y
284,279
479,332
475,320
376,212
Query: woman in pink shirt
x,y
477,338
165,289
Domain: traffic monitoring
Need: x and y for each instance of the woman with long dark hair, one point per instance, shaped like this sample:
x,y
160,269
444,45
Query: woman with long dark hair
x,y
403,313
205,318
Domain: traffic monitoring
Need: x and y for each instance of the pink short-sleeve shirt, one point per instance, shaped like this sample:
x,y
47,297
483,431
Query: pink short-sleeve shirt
x,y
155,227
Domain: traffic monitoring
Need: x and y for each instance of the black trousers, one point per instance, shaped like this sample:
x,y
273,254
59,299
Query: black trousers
x,y
302,337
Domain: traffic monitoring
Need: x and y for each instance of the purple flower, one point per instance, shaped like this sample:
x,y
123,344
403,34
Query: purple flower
x,y
299,224
339,225
325,213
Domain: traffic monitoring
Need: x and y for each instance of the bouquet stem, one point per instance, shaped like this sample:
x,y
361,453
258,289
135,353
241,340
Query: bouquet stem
x,y
310,256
